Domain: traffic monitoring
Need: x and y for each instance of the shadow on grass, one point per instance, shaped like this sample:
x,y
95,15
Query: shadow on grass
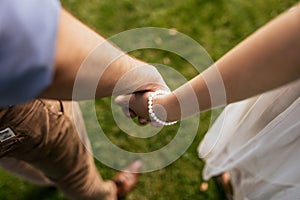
x,y
41,193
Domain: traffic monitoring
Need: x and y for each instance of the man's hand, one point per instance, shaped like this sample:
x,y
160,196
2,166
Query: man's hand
x,y
136,104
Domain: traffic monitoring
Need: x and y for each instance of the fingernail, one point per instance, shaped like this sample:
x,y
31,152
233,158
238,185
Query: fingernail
x,y
143,121
132,114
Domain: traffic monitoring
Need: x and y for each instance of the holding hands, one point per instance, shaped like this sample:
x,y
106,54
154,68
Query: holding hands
x,y
148,102
148,106
267,59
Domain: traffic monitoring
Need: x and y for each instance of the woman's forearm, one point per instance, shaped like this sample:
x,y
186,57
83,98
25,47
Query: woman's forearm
x,y
267,59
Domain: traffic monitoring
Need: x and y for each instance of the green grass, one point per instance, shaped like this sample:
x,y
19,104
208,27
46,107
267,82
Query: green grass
x,y
218,25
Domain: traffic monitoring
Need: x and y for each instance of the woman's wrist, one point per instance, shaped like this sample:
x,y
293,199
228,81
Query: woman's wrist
x,y
166,107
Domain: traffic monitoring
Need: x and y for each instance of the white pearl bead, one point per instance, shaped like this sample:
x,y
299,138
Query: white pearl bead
x,y
150,106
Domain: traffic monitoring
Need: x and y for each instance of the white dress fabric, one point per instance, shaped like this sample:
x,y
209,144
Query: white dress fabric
x,y
258,142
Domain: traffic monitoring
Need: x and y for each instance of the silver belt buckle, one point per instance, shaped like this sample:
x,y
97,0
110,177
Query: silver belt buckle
x,y
6,134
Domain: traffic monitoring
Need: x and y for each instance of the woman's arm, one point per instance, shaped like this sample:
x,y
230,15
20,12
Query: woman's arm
x,y
267,59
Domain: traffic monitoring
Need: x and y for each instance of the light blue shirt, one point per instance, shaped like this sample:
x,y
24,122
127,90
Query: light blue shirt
x,y
28,30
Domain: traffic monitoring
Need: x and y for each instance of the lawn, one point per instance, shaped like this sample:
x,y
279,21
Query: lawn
x,y
217,25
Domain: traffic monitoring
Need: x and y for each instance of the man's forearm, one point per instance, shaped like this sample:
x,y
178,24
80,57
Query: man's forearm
x,y
85,56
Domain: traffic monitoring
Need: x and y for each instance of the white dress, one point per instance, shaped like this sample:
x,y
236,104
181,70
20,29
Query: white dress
x,y
258,142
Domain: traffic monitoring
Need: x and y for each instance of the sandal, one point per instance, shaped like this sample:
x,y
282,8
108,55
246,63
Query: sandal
x,y
127,178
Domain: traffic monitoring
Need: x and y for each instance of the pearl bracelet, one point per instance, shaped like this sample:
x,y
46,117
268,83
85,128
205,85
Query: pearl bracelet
x,y
151,112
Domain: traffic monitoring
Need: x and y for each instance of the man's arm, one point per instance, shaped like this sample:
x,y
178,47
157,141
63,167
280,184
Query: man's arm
x,y
80,49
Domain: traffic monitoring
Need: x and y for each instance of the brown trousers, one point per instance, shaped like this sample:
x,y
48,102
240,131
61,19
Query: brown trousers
x,y
47,149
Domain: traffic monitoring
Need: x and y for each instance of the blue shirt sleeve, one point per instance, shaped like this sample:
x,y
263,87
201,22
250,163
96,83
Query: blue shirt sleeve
x,y
28,31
